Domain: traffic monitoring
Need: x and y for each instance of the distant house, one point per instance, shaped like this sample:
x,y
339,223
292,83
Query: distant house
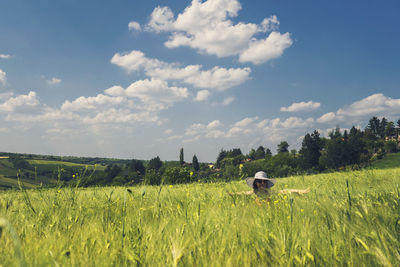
x,y
211,166
395,136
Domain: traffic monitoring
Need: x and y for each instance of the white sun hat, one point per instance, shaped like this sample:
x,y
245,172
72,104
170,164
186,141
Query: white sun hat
x,y
260,176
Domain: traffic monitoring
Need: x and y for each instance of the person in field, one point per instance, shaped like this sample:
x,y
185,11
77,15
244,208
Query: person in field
x,y
261,186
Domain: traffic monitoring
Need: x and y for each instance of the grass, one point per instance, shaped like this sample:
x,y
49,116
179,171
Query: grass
x,y
389,161
348,218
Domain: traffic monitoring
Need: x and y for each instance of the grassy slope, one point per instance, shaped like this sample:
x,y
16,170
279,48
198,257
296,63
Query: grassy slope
x,y
389,161
6,169
202,225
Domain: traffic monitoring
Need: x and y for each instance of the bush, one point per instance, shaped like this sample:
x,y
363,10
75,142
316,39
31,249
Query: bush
x,y
152,177
176,175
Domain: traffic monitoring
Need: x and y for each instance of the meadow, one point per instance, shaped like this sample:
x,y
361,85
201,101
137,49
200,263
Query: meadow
x,y
348,218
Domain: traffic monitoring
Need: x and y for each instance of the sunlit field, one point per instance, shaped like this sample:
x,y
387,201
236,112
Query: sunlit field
x,y
348,218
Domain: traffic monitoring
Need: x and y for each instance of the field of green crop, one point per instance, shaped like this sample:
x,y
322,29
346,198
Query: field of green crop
x,y
348,218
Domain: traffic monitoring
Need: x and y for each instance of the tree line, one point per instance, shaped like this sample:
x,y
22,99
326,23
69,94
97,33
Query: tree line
x,y
341,149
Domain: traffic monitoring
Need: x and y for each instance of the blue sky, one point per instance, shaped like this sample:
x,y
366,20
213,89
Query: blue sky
x,y
139,79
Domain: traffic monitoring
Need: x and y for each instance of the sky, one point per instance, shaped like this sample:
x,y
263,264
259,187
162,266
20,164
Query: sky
x,y
139,79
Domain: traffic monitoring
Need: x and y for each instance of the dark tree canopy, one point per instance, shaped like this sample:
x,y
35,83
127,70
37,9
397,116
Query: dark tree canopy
x,y
195,163
137,166
260,153
283,147
155,163
311,150
181,157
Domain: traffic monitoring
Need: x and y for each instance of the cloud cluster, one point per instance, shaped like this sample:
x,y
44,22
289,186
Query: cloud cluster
x,y
208,27
373,105
20,102
216,78
250,130
301,106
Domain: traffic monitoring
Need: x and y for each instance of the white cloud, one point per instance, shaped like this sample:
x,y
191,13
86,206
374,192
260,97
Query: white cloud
x,y
216,78
161,19
214,124
245,122
260,51
269,24
301,106
327,117
3,77
134,26
21,101
228,100
93,102
208,27
373,105
3,56
202,95
295,122
54,81
156,94
134,61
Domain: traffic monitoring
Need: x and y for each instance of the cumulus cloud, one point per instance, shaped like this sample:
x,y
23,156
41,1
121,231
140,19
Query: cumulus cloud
x,y
4,56
3,77
154,93
20,101
93,102
216,78
373,105
327,117
202,95
301,106
134,26
54,81
260,51
250,131
208,28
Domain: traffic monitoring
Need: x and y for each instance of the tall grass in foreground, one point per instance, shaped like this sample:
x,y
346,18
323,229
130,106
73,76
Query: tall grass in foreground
x,y
350,218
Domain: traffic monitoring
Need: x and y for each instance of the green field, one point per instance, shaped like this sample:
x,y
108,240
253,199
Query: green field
x,y
39,162
203,225
8,174
389,161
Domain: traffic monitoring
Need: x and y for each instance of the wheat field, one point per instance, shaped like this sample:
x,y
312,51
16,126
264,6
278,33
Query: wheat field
x,y
348,218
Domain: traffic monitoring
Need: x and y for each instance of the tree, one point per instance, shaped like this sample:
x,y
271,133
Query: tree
x,y
155,164
221,156
181,157
283,147
137,166
268,152
252,154
389,130
195,163
260,153
311,150
398,123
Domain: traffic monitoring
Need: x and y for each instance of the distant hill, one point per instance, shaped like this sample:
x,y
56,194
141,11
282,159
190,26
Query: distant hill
x,y
35,172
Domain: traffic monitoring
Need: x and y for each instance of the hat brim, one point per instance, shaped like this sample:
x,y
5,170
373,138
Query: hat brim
x,y
250,181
